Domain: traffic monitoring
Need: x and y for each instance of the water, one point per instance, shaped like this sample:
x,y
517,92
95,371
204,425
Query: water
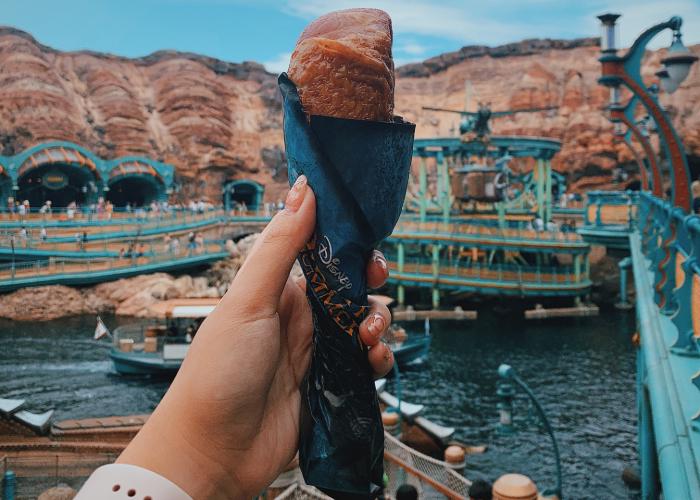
x,y
582,371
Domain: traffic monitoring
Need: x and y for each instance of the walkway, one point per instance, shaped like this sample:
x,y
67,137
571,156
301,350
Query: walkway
x,y
97,270
664,250
521,281
489,237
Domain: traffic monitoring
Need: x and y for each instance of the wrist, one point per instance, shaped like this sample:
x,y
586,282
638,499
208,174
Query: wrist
x,y
170,449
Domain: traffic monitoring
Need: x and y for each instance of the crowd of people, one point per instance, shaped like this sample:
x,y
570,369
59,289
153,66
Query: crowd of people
x,y
568,226
104,209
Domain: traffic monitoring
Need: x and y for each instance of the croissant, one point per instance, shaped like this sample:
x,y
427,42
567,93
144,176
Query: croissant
x,y
342,65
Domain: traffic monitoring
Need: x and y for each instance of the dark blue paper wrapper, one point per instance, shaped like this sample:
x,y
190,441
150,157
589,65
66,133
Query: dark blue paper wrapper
x,y
359,173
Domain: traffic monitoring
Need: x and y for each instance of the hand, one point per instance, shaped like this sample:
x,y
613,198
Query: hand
x,y
230,422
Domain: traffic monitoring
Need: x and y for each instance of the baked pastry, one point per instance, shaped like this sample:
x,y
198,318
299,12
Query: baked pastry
x,y
342,65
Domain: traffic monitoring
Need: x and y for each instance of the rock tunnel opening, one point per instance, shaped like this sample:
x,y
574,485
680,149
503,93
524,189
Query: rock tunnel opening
x,y
60,183
136,191
240,193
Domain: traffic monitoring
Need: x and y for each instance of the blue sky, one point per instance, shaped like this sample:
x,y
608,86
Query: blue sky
x,y
265,30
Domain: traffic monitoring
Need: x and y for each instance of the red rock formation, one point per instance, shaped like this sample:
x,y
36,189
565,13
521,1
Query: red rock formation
x,y
216,120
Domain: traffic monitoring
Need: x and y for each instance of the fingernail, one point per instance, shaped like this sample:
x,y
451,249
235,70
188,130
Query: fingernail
x,y
296,194
376,324
379,259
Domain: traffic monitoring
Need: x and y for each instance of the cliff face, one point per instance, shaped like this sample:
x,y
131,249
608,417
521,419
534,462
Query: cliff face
x,y
217,121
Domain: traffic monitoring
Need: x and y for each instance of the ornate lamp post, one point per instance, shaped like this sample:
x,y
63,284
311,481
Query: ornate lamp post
x,y
506,392
624,115
625,70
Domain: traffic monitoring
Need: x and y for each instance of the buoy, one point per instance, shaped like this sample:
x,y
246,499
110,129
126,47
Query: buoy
x,y
390,419
455,457
514,487
400,335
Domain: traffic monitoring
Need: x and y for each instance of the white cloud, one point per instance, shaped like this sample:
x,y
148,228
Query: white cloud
x,y
279,64
449,19
480,22
411,48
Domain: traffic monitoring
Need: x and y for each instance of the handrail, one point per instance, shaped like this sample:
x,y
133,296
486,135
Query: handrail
x,y
10,272
604,208
472,231
148,219
665,232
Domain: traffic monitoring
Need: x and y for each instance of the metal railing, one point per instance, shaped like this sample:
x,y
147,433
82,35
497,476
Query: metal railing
x,y
670,239
461,231
611,208
145,220
29,269
495,272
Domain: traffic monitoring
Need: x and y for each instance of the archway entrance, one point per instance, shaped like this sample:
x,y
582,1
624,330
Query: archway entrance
x,y
61,183
243,192
136,190
5,188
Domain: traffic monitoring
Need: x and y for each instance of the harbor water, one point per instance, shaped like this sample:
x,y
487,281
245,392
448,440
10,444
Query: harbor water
x,y
582,370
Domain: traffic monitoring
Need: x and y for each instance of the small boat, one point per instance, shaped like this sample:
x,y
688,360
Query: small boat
x,y
409,349
160,348
412,413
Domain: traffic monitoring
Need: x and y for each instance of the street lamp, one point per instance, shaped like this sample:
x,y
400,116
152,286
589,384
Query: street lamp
x,y
505,407
679,59
625,70
667,85
625,115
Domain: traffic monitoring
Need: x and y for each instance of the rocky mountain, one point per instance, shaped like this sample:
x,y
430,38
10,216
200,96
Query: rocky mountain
x,y
216,120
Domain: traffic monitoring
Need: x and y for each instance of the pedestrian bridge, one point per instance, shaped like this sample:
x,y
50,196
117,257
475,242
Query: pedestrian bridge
x,y
511,280
92,270
665,252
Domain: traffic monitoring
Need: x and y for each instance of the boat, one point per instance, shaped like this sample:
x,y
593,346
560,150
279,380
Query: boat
x,y
408,349
159,348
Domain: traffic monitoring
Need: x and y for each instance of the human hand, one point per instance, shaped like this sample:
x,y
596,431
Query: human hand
x,y
230,422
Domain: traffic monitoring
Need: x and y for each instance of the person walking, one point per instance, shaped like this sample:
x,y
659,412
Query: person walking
x,y
695,188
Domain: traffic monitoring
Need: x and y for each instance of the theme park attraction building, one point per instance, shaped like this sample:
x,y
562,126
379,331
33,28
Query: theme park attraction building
x,y
64,172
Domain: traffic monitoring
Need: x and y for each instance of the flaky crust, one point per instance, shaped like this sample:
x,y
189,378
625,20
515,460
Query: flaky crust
x,y
342,65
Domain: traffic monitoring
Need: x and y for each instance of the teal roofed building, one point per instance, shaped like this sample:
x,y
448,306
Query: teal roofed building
x,y
64,172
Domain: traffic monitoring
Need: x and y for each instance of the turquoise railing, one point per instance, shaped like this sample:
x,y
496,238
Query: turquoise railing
x,y
75,271
429,231
665,250
149,219
494,272
610,208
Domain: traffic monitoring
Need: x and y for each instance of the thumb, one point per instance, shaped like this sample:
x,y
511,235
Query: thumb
x,y
257,287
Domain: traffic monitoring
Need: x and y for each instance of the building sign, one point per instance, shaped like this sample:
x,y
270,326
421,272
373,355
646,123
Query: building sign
x,y
54,180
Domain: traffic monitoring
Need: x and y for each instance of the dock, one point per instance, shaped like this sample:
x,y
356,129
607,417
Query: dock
x,y
410,314
578,311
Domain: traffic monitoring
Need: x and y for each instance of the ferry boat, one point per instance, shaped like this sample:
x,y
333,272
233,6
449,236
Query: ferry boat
x,y
160,348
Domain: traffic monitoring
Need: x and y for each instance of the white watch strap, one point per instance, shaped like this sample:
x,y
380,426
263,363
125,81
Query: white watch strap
x,y
123,481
